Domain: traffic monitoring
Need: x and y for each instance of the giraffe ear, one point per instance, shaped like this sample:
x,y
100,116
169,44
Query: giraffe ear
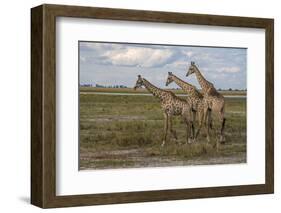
x,y
170,73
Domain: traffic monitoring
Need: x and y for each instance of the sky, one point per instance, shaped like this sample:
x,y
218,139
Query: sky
x,y
120,63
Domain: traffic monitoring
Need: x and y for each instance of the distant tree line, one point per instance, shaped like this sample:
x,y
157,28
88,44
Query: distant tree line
x,y
86,85
230,89
103,86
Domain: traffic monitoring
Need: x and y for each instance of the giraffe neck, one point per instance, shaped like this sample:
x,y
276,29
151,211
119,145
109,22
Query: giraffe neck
x,y
153,89
184,85
188,88
205,85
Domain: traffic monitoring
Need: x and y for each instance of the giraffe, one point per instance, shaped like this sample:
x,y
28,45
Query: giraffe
x,y
196,98
213,98
171,106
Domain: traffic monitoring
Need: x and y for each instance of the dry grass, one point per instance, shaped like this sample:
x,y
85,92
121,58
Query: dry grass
x,y
126,131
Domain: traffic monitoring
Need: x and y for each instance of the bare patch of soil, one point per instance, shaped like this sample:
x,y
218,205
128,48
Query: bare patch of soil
x,y
135,158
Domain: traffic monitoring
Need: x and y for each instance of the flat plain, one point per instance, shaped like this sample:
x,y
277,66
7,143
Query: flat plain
x,y
123,128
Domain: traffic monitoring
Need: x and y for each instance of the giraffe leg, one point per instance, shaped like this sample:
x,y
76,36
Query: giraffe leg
x,y
173,132
191,119
200,122
188,140
194,113
207,120
210,122
165,128
220,134
189,130
222,137
193,139
205,115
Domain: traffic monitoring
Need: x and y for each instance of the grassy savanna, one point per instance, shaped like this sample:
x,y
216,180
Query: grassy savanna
x,y
122,131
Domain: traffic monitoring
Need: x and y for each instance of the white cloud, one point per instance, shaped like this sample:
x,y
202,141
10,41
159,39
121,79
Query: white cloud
x,y
178,64
100,46
219,65
229,69
138,56
188,53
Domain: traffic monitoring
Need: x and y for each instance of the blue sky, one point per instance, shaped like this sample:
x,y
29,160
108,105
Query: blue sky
x,y
120,63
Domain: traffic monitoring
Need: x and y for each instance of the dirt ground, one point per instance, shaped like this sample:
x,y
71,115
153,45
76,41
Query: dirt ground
x,y
141,160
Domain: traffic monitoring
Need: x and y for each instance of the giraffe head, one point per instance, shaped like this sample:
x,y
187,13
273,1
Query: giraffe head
x,y
139,82
170,78
191,69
